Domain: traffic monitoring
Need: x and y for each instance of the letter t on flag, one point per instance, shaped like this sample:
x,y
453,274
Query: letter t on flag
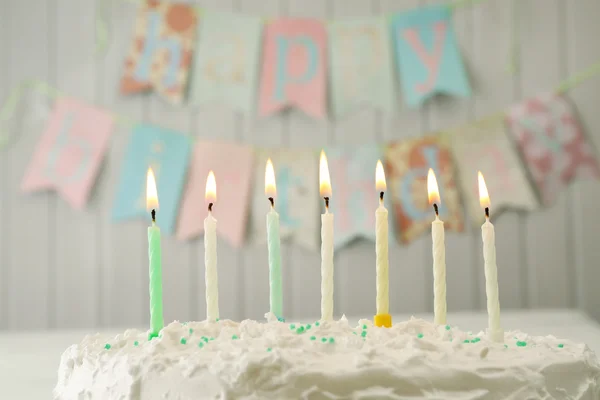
x,y
70,151
428,58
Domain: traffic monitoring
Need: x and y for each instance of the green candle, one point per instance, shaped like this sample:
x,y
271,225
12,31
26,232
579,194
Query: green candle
x,y
154,254
275,281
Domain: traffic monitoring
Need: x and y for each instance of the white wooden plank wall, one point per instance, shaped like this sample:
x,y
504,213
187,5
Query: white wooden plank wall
x,y
65,269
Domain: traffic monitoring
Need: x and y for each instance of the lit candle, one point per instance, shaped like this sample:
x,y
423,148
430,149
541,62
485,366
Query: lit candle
x,y
326,243
210,252
488,235
154,255
383,317
439,253
274,244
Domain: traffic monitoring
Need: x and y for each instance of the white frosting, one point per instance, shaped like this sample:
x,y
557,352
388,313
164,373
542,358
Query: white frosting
x,y
387,363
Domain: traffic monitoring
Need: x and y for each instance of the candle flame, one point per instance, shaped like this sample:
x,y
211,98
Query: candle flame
x,y
484,197
270,186
433,192
211,188
380,184
151,193
324,181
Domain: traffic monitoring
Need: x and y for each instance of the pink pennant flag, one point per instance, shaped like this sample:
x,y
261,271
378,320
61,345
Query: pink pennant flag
x,y
552,143
232,165
294,67
70,151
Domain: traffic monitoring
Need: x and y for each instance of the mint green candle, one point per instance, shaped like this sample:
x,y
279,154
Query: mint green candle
x,y
274,245
156,303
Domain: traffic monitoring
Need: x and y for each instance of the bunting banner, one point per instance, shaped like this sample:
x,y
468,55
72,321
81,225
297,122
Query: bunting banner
x,y
297,200
233,191
69,153
354,198
407,165
168,153
226,65
161,51
294,67
552,144
485,146
361,70
427,54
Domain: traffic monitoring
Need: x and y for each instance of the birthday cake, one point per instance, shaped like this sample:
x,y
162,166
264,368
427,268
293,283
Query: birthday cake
x,y
414,359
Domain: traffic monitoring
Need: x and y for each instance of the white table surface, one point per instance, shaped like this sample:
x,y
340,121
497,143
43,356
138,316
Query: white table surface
x,y
29,361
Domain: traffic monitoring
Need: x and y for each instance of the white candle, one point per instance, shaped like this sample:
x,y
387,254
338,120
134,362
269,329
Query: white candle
x,y
495,331
326,243
439,253
210,252
381,252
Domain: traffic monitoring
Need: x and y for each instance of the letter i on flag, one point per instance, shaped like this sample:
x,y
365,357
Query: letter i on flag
x,y
427,52
161,54
70,151
294,67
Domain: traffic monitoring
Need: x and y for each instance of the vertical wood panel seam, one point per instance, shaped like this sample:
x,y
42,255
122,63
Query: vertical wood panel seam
x,y
52,31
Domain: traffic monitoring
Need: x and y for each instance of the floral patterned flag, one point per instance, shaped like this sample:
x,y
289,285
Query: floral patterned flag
x,y
485,146
297,200
161,53
70,151
552,143
407,165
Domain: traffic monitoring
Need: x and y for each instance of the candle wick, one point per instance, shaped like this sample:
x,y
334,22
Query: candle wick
x,y
487,213
326,205
381,198
153,213
435,208
272,202
210,207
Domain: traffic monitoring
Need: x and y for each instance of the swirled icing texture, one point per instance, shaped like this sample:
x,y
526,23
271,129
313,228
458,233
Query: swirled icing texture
x,y
413,359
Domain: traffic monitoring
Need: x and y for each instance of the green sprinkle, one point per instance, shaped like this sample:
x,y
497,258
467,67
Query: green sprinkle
x,y
317,323
466,341
308,326
292,326
420,335
365,326
191,331
136,343
521,344
212,338
323,340
331,340
200,344
269,349
205,339
475,340
354,333
447,327
183,341
234,337
506,346
312,338
107,346
217,319
300,330
363,334
561,345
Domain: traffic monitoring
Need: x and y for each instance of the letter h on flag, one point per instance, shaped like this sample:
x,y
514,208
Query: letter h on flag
x,y
70,151
428,58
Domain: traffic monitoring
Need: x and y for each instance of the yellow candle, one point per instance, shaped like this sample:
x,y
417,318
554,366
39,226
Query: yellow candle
x,y
383,317
439,253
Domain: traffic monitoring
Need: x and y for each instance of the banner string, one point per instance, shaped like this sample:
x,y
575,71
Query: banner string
x,y
8,109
